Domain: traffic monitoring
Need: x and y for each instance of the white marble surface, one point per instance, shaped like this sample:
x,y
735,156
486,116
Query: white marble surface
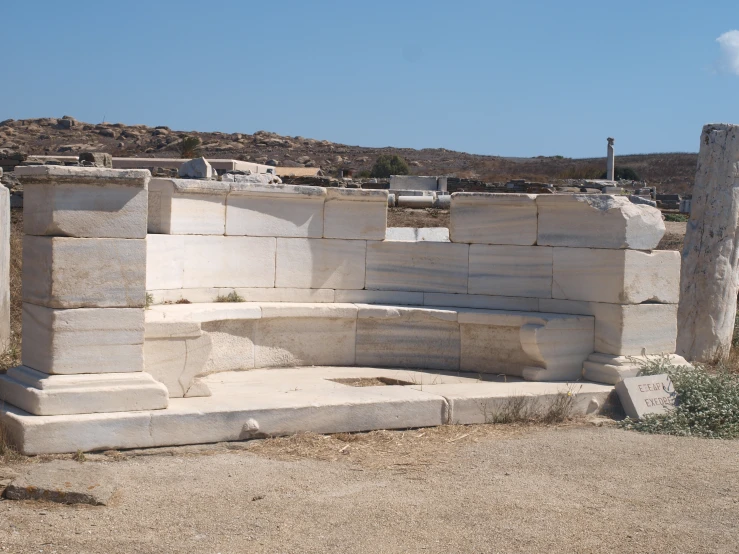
x,y
417,266
229,261
49,395
625,330
85,340
321,263
62,272
275,211
511,270
355,214
187,207
616,276
597,221
165,262
485,218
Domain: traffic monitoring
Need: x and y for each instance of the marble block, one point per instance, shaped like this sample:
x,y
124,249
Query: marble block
x,y
481,301
391,336
187,207
84,202
296,341
380,297
320,263
417,266
175,353
233,344
597,221
85,340
535,346
48,395
355,214
625,330
61,272
165,262
275,210
485,218
229,261
511,270
417,234
616,276
610,369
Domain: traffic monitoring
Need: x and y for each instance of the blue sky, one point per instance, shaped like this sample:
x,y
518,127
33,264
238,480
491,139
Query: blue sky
x,y
508,78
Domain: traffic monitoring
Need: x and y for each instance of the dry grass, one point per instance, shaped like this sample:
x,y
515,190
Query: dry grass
x,y
409,217
369,381
12,354
671,241
402,451
8,453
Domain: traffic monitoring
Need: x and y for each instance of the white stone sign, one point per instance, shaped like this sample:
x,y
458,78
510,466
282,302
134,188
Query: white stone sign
x,y
646,395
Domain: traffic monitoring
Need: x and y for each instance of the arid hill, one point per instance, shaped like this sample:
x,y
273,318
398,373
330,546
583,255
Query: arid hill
x,y
672,172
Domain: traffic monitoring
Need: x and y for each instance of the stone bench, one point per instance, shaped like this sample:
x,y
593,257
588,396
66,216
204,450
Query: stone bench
x,y
542,287
187,341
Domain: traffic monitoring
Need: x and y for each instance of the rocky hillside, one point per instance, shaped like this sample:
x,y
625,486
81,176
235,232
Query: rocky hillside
x,y
67,136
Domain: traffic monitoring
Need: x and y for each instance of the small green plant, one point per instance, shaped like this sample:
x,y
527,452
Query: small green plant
x,y
387,165
682,218
232,296
364,174
80,456
149,300
189,147
708,403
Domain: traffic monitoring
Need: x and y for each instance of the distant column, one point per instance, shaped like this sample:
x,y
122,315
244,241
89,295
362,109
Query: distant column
x,y
708,281
610,173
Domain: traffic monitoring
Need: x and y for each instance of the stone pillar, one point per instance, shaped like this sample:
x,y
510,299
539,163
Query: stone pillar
x,y
610,162
4,267
708,285
84,294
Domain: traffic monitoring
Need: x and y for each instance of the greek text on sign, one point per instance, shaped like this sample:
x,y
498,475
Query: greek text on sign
x,y
649,394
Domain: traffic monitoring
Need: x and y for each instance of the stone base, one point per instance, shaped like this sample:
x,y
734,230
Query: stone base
x,y
606,368
273,402
42,394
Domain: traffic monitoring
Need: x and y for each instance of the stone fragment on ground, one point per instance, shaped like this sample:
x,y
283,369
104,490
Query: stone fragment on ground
x,y
65,482
197,168
96,159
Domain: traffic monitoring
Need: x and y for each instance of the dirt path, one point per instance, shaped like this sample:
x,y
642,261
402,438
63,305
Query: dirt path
x,y
461,489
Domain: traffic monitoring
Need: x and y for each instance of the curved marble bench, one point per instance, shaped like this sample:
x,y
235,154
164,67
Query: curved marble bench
x,y
186,341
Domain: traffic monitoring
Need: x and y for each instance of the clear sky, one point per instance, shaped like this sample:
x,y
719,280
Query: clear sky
x,y
514,78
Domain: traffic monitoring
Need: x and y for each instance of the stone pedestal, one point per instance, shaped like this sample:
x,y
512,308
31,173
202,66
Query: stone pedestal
x,y
708,286
84,294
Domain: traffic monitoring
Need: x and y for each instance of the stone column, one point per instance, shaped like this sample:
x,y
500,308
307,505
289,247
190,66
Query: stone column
x,y
4,267
610,162
708,285
84,294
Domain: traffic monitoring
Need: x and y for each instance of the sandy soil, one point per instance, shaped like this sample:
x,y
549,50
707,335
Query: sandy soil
x,y
462,489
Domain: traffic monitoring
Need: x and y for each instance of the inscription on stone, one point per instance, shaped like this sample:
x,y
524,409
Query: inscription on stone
x,y
649,394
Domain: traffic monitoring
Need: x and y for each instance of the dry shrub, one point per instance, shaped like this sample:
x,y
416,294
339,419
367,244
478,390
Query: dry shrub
x,y
671,241
531,409
11,356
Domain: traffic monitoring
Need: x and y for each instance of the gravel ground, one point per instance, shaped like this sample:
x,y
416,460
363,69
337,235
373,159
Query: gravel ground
x,y
576,488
